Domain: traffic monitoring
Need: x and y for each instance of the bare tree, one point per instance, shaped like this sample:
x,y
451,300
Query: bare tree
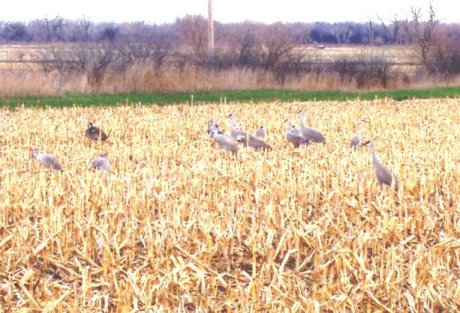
x,y
54,28
277,43
192,30
249,48
370,33
83,29
436,50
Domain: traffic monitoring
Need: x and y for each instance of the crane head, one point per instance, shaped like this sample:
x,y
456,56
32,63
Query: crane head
x,y
369,143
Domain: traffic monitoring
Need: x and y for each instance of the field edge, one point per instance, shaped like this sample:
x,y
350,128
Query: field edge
x,y
86,99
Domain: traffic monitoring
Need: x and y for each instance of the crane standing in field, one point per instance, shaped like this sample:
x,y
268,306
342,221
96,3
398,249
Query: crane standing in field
x,y
247,140
224,141
260,132
235,132
257,144
312,135
294,136
381,172
100,163
95,133
211,125
47,160
356,141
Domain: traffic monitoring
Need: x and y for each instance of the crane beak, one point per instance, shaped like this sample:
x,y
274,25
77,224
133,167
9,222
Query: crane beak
x,y
366,143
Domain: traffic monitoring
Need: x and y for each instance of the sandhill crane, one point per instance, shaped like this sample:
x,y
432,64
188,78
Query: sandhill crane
x,y
211,125
225,142
47,160
293,135
309,133
381,172
356,141
260,132
100,163
235,132
255,143
95,133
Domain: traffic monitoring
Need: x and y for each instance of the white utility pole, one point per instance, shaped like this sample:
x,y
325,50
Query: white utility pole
x,y
210,31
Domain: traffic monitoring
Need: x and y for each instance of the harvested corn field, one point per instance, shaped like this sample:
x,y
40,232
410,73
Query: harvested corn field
x,y
178,224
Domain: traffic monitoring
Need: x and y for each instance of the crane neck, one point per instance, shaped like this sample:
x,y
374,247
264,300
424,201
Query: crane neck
x,y
375,155
302,119
233,122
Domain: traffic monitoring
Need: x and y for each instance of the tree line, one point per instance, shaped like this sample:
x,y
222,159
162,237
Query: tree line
x,y
59,29
271,48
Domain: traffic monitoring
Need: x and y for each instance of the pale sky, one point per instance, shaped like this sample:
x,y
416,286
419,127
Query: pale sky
x,y
268,11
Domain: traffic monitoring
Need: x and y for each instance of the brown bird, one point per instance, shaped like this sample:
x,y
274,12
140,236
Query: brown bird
x,y
95,133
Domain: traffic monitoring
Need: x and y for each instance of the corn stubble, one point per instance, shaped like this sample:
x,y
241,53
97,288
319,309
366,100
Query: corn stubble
x,y
179,225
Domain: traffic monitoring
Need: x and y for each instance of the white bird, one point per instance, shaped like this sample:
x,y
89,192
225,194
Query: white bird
x,y
260,132
235,132
100,163
47,160
309,133
293,135
381,172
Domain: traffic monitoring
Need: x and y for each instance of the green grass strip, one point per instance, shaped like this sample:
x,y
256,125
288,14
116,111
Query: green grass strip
x,y
218,96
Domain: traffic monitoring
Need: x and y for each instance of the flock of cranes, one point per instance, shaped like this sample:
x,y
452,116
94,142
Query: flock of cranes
x,y
303,135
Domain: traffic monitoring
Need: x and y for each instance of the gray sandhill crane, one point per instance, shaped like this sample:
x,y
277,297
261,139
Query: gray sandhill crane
x,y
290,126
260,132
224,142
47,160
257,144
309,133
356,141
294,136
95,133
211,125
381,172
215,126
235,132
100,163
